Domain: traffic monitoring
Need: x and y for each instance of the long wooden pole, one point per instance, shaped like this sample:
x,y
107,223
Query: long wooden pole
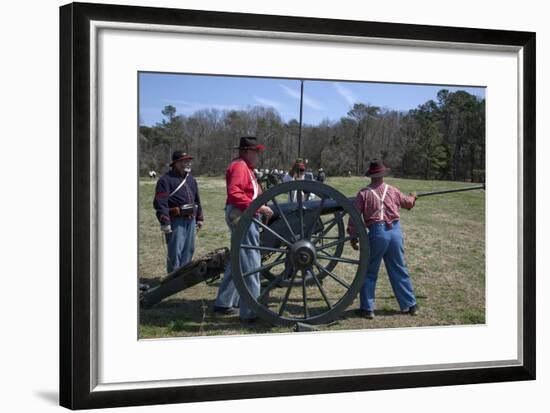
x,y
447,191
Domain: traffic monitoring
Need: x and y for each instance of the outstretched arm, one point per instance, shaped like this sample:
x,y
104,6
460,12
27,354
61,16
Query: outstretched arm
x,y
407,201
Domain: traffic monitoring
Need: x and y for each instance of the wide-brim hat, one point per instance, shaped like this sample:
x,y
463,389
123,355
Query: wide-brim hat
x,y
180,156
376,169
249,143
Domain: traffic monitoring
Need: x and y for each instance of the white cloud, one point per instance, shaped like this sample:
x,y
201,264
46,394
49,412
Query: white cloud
x,y
309,102
177,102
346,94
193,107
222,107
267,102
189,107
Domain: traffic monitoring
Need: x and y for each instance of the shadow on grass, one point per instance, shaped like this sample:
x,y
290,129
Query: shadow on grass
x,y
353,313
392,297
195,316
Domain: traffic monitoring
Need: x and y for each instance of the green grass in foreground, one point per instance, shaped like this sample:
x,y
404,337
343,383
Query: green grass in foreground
x,y
444,251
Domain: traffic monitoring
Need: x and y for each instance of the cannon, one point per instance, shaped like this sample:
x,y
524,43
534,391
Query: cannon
x,y
309,274
305,276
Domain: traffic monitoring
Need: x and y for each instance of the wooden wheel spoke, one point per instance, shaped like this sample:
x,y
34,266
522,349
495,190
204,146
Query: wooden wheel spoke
x,y
321,290
264,267
301,213
304,293
285,299
315,218
262,248
266,228
283,217
333,222
333,276
332,244
323,256
271,286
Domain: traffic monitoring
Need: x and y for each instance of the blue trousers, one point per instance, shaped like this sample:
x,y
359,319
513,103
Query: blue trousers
x,y
228,296
181,243
387,244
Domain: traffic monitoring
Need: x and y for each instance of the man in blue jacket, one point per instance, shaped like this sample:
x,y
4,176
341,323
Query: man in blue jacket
x,y
178,207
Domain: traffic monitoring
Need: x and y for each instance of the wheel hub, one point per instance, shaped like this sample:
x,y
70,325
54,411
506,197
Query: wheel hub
x,y
302,254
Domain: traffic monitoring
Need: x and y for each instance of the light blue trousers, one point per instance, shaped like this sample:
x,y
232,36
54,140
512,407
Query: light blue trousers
x,y
181,243
387,244
228,296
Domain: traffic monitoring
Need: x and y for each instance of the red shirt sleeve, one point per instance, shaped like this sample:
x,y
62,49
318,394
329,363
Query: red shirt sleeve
x,y
238,181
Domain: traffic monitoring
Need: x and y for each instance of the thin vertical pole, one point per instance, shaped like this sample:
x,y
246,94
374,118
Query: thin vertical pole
x,y
301,111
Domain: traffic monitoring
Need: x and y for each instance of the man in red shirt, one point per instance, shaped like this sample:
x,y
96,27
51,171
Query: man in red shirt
x,y
242,189
379,204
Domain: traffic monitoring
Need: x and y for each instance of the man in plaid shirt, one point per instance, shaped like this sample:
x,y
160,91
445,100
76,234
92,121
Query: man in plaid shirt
x,y
379,205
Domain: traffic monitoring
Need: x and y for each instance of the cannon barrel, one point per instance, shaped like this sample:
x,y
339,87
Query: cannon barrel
x,y
330,206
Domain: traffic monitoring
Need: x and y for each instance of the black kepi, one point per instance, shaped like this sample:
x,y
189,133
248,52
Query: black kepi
x,y
180,156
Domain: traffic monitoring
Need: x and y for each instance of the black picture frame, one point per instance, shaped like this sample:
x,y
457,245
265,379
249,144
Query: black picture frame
x,y
75,197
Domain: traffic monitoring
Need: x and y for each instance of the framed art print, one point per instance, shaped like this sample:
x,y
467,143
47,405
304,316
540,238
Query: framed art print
x,y
292,190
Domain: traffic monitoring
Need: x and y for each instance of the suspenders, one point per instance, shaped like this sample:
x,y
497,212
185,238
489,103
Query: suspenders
x,y
254,184
381,200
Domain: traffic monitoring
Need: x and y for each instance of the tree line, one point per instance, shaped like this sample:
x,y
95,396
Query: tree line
x,y
440,139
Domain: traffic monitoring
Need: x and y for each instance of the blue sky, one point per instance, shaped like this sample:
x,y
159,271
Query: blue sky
x,y
322,99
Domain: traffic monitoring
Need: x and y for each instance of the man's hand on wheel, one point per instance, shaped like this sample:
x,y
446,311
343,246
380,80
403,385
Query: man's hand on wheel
x,y
266,211
354,244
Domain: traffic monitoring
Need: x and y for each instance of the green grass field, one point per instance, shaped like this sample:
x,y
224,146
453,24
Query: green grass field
x,y
444,251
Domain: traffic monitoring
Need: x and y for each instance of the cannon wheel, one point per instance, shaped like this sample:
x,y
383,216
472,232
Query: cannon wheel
x,y
305,257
